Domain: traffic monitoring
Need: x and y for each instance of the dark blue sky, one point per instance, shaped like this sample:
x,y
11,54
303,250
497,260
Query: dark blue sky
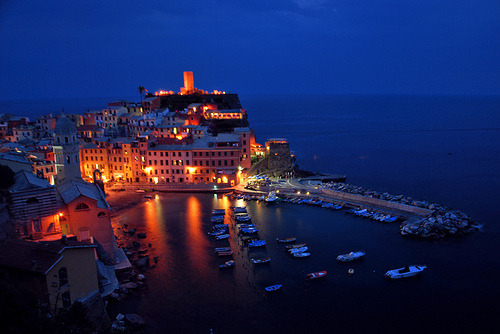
x,y
109,48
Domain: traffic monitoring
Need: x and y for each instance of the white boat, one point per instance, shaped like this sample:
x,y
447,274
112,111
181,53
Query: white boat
x,y
350,256
271,197
407,271
301,254
222,236
298,250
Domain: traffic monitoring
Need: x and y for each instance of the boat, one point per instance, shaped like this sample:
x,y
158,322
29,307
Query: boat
x,y
262,260
249,230
240,209
226,253
407,271
217,212
284,240
217,233
301,254
222,249
315,275
148,196
298,250
246,225
257,243
271,197
295,246
350,256
222,236
227,264
242,218
272,288
217,219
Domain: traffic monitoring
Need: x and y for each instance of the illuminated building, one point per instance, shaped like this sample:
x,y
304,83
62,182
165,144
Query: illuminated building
x,y
224,114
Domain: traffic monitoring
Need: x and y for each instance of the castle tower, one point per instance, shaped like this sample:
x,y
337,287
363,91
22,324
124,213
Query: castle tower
x,y
188,82
66,150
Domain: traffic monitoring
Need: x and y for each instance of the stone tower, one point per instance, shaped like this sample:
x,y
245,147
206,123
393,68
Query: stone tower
x,y
66,150
278,151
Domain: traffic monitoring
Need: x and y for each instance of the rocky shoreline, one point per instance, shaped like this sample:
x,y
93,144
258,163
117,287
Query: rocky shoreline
x,y
137,248
442,223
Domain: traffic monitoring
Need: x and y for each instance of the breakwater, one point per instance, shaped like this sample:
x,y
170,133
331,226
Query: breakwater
x,y
422,219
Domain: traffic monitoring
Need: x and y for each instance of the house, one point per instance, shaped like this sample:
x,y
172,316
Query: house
x,y
58,272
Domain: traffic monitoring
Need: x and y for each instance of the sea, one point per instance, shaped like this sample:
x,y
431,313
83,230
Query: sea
x,y
443,149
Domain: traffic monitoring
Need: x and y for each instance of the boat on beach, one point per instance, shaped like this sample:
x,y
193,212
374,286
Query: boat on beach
x,y
407,271
350,256
272,288
227,264
262,260
294,246
285,240
316,275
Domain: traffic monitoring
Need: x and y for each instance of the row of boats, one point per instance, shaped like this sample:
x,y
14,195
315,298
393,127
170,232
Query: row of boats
x,y
365,213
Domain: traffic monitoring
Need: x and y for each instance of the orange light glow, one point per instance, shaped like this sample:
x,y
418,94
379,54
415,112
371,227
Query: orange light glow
x,y
60,214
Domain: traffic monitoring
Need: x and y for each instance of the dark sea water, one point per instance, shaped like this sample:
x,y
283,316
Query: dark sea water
x,y
442,149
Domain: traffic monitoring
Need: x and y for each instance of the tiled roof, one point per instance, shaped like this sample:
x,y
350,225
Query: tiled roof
x,y
71,190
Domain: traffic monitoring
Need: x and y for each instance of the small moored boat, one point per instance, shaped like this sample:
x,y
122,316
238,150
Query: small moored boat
x,y
262,260
257,243
222,249
407,271
272,288
226,253
227,264
222,236
315,275
350,256
285,240
298,250
295,246
301,254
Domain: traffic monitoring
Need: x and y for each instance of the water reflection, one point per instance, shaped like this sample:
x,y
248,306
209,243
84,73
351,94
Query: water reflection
x,y
196,239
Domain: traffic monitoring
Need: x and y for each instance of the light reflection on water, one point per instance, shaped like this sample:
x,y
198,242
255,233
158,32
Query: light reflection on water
x,y
196,240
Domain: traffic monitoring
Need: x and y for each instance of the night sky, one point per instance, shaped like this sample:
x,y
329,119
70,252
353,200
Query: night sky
x,y
54,49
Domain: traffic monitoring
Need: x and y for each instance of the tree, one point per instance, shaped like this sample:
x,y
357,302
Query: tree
x,y
7,178
142,90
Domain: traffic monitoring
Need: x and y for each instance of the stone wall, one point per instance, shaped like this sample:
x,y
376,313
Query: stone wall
x,y
342,196
279,156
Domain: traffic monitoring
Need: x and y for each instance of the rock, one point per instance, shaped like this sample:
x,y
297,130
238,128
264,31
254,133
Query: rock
x,y
134,320
115,296
120,317
142,262
141,277
118,327
129,285
136,244
131,232
141,235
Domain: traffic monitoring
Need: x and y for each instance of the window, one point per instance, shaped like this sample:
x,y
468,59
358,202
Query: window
x,y
32,200
82,207
101,214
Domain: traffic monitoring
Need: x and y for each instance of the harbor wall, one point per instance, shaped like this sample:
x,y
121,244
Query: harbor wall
x,y
339,195
354,199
